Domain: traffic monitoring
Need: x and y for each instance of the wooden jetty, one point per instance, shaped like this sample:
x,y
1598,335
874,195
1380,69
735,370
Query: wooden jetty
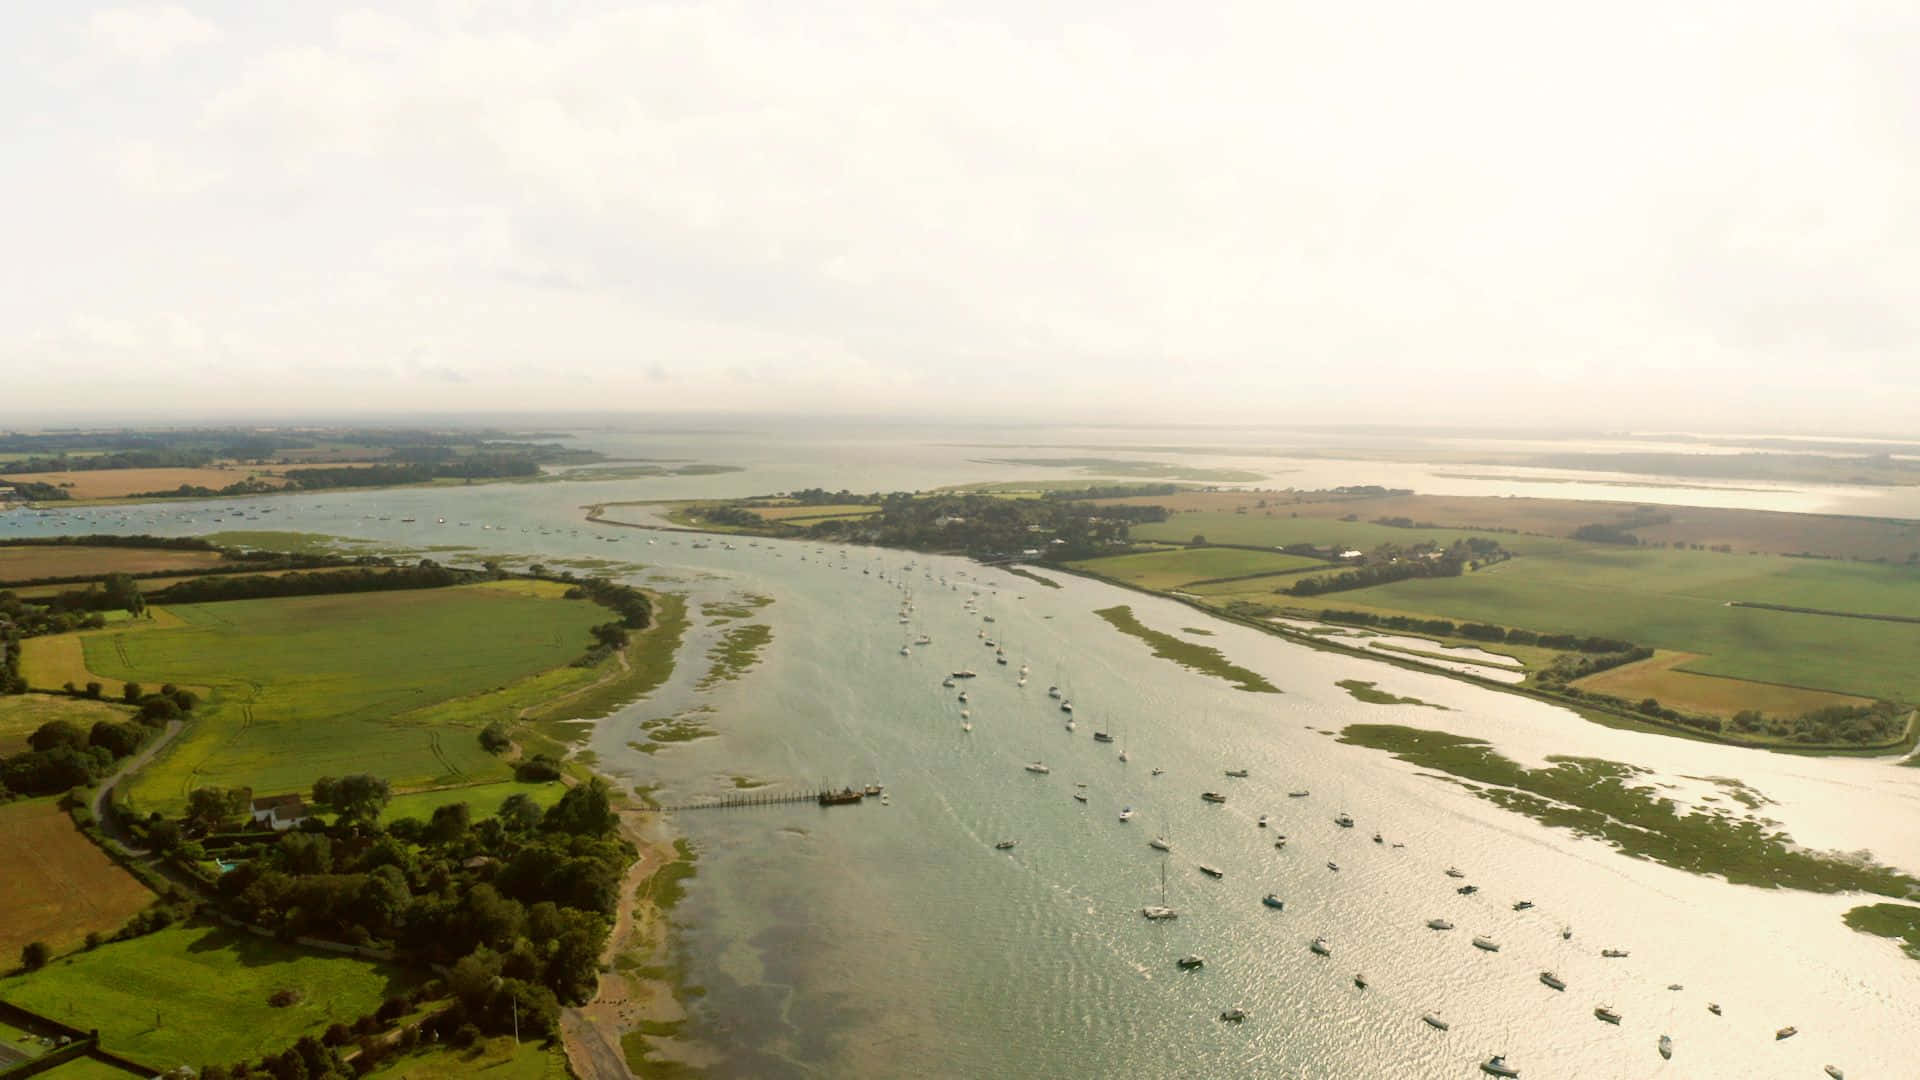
x,y
825,796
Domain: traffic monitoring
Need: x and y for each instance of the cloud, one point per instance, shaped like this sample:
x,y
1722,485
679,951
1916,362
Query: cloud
x,y
151,32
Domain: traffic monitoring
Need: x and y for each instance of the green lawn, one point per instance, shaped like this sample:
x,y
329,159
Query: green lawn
x,y
194,995
1259,530
88,1069
1678,600
395,682
493,1059
22,714
483,800
1171,569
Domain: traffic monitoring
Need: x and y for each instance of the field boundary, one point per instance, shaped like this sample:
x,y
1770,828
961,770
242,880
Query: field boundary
x,y
1791,610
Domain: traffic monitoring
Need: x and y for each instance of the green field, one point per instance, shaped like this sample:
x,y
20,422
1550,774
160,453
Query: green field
x,y
1259,530
398,682
22,714
194,995
87,1069
483,800
1678,600
492,1059
1172,569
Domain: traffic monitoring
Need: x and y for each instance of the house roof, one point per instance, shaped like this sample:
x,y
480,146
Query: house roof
x,y
279,802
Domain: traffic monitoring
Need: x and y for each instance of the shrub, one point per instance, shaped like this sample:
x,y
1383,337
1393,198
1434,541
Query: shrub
x,y
34,955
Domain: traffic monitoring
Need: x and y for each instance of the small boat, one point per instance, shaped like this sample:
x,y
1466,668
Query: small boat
x,y
999,659
1126,813
965,673
1157,772
1566,933
1005,845
1675,986
1070,724
1834,1071
1666,1046
1486,943
1213,796
1497,1066
1377,839
1212,872
1189,962
923,640
1237,773
1552,981
963,697
1787,1032
1160,843
1454,871
948,681
1038,767
1234,1016
1522,905
1280,843
1320,947
1359,980
966,725
1613,954
1467,890
905,651
1274,902
1102,736
1713,1007
1439,924
1435,1022
1343,820
1606,1013
1079,796
1053,691
1159,911
1331,865
1262,822
1066,706
1296,794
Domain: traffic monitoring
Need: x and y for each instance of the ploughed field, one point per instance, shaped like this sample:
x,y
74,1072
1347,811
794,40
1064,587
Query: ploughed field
x,y
55,884
398,683
32,562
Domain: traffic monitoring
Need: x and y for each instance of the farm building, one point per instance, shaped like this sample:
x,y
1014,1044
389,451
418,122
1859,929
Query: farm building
x,y
280,812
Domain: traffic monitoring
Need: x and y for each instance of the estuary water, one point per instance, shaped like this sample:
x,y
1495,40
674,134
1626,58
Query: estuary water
x,y
895,940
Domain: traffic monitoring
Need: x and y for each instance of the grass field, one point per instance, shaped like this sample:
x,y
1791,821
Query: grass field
x,y
27,562
1678,601
490,1059
1273,528
1172,569
207,989
87,1069
301,687
1657,677
483,800
21,714
56,885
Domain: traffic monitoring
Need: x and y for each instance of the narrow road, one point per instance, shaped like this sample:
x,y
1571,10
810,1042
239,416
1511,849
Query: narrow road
x,y
588,1050
109,822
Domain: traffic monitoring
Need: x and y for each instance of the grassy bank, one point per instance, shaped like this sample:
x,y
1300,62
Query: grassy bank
x,y
1202,658
736,651
1608,801
1898,921
1365,691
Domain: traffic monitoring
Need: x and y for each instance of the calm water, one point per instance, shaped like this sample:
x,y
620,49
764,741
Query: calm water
x,y
894,939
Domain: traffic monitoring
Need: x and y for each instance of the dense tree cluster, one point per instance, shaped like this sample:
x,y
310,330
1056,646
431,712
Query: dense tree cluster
x,y
379,576
987,526
61,755
1855,725
518,904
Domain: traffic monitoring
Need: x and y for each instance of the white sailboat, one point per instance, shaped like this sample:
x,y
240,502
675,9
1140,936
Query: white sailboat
x,y
1160,910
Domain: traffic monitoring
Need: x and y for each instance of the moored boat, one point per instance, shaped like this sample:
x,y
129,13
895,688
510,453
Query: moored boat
x,y
1160,843
1233,1016
1296,794
1005,845
1787,1032
1497,1066
1274,902
1606,1013
1126,813
1262,822
1613,954
1834,1071
1189,962
1038,767
1486,943
1552,981
1359,980
1666,1046
1213,796
1439,924
841,798
1320,947
1238,773
1212,872
1467,890
1522,905
1713,1007
1435,1022
1454,871
1343,820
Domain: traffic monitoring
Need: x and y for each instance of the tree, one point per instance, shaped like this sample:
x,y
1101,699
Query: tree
x,y
449,823
585,810
34,955
519,813
131,693
57,733
358,798
209,808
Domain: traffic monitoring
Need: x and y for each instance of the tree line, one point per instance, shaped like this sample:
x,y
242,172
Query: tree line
x,y
62,755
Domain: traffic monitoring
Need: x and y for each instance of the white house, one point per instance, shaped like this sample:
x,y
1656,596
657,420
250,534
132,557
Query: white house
x,y
279,812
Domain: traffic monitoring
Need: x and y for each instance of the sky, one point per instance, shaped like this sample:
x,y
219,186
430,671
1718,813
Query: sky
x,y
1698,216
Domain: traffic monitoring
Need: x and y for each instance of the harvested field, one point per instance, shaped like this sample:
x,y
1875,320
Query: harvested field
x,y
31,562
1657,677
119,483
57,884
809,514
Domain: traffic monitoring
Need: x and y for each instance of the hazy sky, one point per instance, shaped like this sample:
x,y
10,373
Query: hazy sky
x,y
1702,213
